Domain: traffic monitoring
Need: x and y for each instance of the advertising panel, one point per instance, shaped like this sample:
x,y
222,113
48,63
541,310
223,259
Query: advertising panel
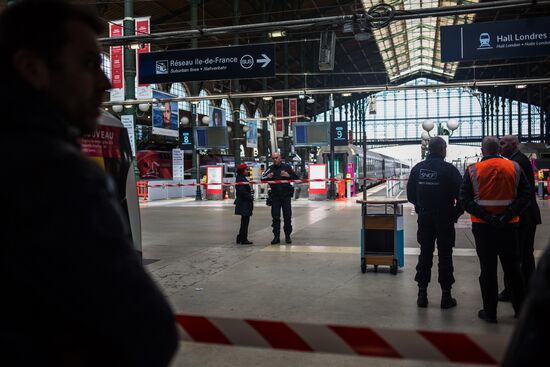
x,y
318,171
293,108
279,112
217,117
252,135
128,122
117,63
177,163
214,174
154,164
165,115
143,26
109,146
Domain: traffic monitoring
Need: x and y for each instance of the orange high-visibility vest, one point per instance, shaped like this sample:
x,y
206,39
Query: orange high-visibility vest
x,y
495,183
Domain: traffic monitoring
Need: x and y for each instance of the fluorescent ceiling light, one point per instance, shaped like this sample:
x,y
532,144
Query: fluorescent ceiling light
x,y
347,94
276,34
267,98
521,86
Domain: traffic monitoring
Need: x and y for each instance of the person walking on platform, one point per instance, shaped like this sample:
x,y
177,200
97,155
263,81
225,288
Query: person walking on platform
x,y
74,290
433,189
244,204
281,195
528,219
495,191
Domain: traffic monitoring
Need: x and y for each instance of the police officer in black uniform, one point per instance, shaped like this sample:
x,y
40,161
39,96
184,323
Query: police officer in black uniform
x,y
281,195
433,188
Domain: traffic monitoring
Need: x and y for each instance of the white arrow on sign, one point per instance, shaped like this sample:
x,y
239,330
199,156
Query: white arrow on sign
x,y
266,60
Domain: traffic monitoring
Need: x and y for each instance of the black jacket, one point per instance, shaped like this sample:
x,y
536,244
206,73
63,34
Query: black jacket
x,y
433,188
532,213
531,338
244,202
74,291
517,206
280,190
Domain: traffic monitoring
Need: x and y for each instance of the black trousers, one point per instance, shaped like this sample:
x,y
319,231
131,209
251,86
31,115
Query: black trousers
x,y
284,204
525,252
243,231
432,228
491,243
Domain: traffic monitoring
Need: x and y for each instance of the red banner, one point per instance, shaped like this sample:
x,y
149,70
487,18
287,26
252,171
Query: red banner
x,y
142,27
279,112
293,108
117,57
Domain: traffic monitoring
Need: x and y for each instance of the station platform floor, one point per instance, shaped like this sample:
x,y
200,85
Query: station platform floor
x,y
189,249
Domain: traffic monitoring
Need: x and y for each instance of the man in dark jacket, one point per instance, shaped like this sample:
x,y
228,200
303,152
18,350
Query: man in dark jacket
x,y
433,188
495,191
281,195
244,204
74,290
528,220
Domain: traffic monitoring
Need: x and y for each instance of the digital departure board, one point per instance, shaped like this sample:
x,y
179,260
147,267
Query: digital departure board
x,y
308,134
208,137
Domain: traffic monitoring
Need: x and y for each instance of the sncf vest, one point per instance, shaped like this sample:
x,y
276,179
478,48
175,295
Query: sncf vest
x,y
494,182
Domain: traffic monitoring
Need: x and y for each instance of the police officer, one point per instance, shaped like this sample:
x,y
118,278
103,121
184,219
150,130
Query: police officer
x,y
281,195
495,191
528,220
433,188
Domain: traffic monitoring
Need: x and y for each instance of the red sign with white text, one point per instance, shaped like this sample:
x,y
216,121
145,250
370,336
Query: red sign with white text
x,y
142,27
279,112
104,142
117,57
293,108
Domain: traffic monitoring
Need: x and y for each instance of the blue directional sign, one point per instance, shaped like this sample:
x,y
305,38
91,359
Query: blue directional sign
x,y
219,63
496,40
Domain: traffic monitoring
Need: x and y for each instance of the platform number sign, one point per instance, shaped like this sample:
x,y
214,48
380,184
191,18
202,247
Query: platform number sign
x,y
186,138
339,133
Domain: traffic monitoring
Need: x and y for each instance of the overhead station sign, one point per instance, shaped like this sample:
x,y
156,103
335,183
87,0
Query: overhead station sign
x,y
496,40
219,63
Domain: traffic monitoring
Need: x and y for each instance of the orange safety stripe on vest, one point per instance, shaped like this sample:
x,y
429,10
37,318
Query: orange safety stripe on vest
x,y
495,183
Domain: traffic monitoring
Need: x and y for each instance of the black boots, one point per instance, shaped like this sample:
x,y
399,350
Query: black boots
x,y
447,301
243,242
486,317
422,300
276,240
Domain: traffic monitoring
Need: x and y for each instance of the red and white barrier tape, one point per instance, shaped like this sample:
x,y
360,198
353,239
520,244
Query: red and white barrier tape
x,y
272,182
361,341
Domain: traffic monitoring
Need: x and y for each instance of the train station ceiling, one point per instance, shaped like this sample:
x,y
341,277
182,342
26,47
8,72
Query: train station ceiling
x,y
365,56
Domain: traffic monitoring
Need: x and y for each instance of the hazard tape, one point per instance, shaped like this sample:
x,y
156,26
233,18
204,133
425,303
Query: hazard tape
x,y
274,182
360,341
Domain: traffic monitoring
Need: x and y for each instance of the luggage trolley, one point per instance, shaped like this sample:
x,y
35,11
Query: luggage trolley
x,y
382,239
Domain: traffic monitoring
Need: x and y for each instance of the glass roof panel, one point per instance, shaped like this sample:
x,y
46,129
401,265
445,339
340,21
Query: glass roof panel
x,y
413,45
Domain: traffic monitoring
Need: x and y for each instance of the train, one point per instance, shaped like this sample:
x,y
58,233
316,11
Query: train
x,y
349,162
